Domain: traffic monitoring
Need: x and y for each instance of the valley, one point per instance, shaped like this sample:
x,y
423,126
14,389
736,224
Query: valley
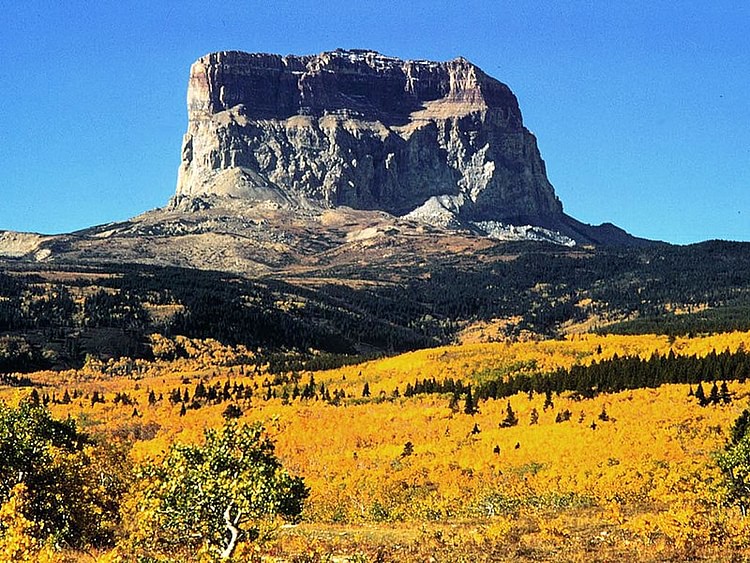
x,y
395,476
364,329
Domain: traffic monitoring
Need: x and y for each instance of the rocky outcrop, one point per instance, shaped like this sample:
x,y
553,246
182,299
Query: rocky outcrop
x,y
359,129
341,160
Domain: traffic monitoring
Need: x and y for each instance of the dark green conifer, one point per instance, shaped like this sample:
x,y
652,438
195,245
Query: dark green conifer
x,y
534,417
700,395
726,396
510,418
408,449
713,396
548,404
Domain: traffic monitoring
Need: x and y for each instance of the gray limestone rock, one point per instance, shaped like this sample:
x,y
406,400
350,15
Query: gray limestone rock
x,y
359,129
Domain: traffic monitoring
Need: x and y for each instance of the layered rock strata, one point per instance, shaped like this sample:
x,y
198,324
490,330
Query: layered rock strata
x,y
359,129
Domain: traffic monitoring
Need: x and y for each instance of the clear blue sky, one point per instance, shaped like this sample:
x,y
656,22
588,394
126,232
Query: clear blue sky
x,y
641,108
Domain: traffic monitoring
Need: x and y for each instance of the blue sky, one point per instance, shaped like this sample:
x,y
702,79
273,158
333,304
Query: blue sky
x,y
641,109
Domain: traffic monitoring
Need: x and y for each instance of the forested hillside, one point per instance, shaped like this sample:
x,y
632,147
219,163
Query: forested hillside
x,y
56,316
377,462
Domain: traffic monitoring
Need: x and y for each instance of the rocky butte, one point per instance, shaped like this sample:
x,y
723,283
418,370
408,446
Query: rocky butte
x,y
338,157
440,142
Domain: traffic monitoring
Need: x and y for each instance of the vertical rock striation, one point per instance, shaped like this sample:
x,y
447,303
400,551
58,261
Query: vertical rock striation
x,y
359,129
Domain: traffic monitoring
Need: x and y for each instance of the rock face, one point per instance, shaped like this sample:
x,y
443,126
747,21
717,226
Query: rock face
x,y
340,160
359,129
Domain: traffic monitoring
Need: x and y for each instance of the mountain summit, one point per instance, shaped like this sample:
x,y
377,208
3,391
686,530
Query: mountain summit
x,y
363,130
438,142
337,158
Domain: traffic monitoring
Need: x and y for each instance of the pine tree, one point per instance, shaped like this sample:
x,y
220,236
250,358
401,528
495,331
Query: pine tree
x,y
510,418
548,404
713,396
563,416
724,393
534,417
603,416
700,395
366,390
175,396
408,449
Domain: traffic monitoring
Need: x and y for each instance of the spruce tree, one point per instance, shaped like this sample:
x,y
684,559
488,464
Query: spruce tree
x,y
534,417
408,449
713,397
724,393
548,404
510,418
700,395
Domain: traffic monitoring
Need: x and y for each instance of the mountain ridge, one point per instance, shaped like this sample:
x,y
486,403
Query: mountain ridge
x,y
292,160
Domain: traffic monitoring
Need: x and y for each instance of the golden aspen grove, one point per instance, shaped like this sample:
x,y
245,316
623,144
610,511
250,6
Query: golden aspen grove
x,y
393,472
359,316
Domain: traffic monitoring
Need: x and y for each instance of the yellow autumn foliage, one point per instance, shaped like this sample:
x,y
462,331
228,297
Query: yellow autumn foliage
x,y
643,482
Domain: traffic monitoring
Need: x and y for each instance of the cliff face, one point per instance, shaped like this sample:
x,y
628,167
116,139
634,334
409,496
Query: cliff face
x,y
358,129
298,164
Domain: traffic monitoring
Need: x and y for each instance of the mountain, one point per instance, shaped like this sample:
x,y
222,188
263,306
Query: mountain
x,y
346,157
351,203
359,129
438,142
